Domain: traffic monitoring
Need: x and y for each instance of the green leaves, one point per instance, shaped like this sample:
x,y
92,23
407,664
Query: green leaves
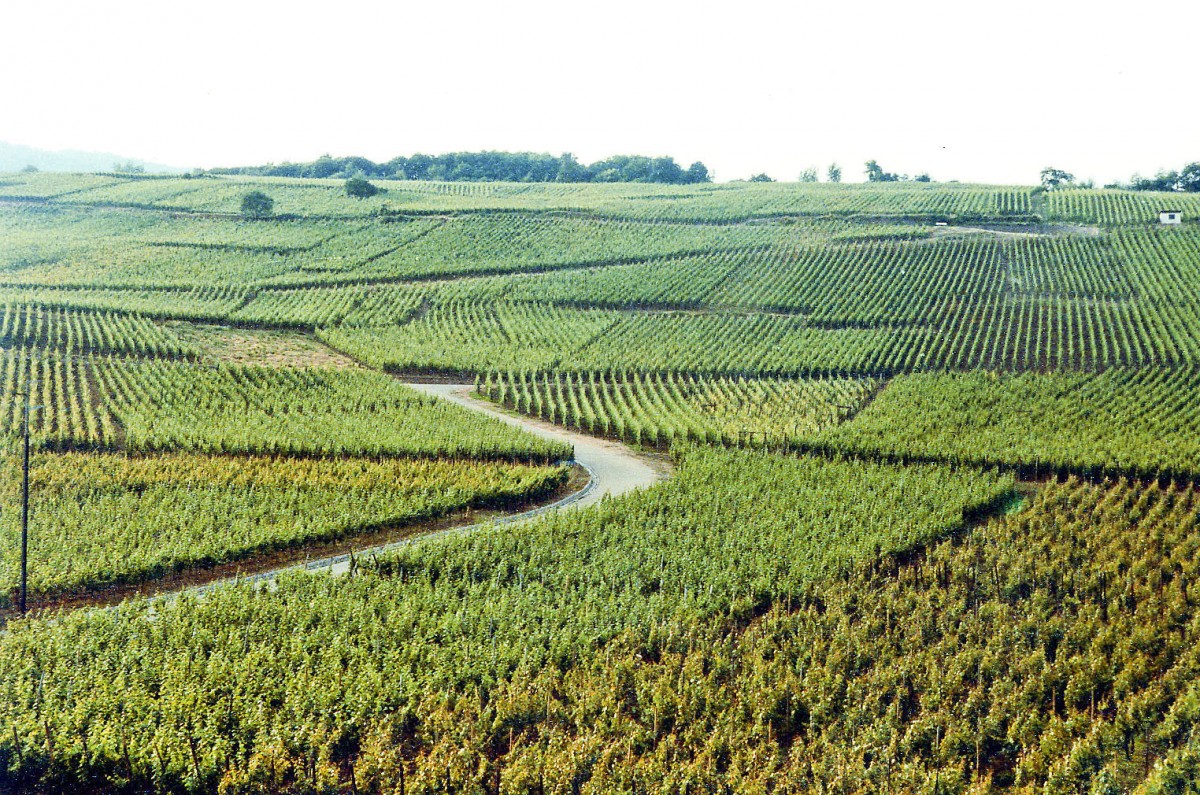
x,y
102,520
511,617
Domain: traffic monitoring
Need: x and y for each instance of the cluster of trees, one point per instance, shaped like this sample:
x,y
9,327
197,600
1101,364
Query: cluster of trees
x,y
875,173
257,204
832,174
360,188
490,166
1052,178
129,167
1186,180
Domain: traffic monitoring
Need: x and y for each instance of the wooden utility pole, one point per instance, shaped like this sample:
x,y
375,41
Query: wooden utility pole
x,y
25,507
25,495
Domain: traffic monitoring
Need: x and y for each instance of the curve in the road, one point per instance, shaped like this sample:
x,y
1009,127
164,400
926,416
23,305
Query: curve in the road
x,y
612,468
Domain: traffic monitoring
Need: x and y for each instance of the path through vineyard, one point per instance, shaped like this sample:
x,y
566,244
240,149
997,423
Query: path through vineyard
x,y
615,468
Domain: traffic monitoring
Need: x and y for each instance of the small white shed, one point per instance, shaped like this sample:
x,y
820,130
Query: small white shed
x,y
1170,216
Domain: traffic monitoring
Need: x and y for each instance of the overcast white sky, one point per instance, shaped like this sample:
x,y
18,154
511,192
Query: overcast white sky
x,y
969,91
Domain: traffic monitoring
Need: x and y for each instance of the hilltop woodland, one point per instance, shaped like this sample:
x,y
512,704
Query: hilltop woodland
x,y
489,167
932,522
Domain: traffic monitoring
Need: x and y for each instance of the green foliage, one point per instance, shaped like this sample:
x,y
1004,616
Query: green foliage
x,y
235,409
326,199
759,623
663,410
257,204
402,662
672,283
28,325
71,414
317,307
461,336
156,405
103,520
489,166
1187,180
875,173
1053,650
360,188
1116,207
1141,423
1053,178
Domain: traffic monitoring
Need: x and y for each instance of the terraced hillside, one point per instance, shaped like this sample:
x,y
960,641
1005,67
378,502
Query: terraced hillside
x,y
932,526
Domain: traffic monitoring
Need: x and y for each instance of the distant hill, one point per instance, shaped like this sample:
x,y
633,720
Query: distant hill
x,y
14,157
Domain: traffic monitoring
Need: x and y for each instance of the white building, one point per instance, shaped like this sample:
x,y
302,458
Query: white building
x,y
1170,216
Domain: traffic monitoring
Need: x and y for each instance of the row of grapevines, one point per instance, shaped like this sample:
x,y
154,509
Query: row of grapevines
x,y
734,202
1006,332
164,405
682,282
351,305
1161,263
198,303
1139,422
514,243
1053,651
737,344
1117,207
329,306
706,203
882,281
664,409
207,690
110,403
240,235
462,336
94,248
102,519
53,185
29,325
69,409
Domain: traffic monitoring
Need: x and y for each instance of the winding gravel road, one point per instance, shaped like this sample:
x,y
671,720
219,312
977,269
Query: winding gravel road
x,y
613,469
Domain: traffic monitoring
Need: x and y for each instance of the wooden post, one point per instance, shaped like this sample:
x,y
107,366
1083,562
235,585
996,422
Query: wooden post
x,y
25,508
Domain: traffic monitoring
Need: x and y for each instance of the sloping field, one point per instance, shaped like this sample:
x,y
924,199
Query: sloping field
x,y
932,526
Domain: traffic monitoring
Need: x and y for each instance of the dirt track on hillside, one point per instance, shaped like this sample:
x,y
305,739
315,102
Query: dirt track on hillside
x,y
604,468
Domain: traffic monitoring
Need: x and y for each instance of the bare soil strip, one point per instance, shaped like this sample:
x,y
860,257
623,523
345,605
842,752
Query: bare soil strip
x,y
265,347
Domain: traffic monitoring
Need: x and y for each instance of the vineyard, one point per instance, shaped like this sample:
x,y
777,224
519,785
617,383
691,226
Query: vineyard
x,y
108,520
665,410
931,524
28,325
1137,423
461,618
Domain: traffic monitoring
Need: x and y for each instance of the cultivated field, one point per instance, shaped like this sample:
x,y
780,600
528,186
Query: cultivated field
x,y
932,525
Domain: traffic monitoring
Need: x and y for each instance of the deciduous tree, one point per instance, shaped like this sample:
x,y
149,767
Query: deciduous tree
x,y
257,204
359,188
1056,178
